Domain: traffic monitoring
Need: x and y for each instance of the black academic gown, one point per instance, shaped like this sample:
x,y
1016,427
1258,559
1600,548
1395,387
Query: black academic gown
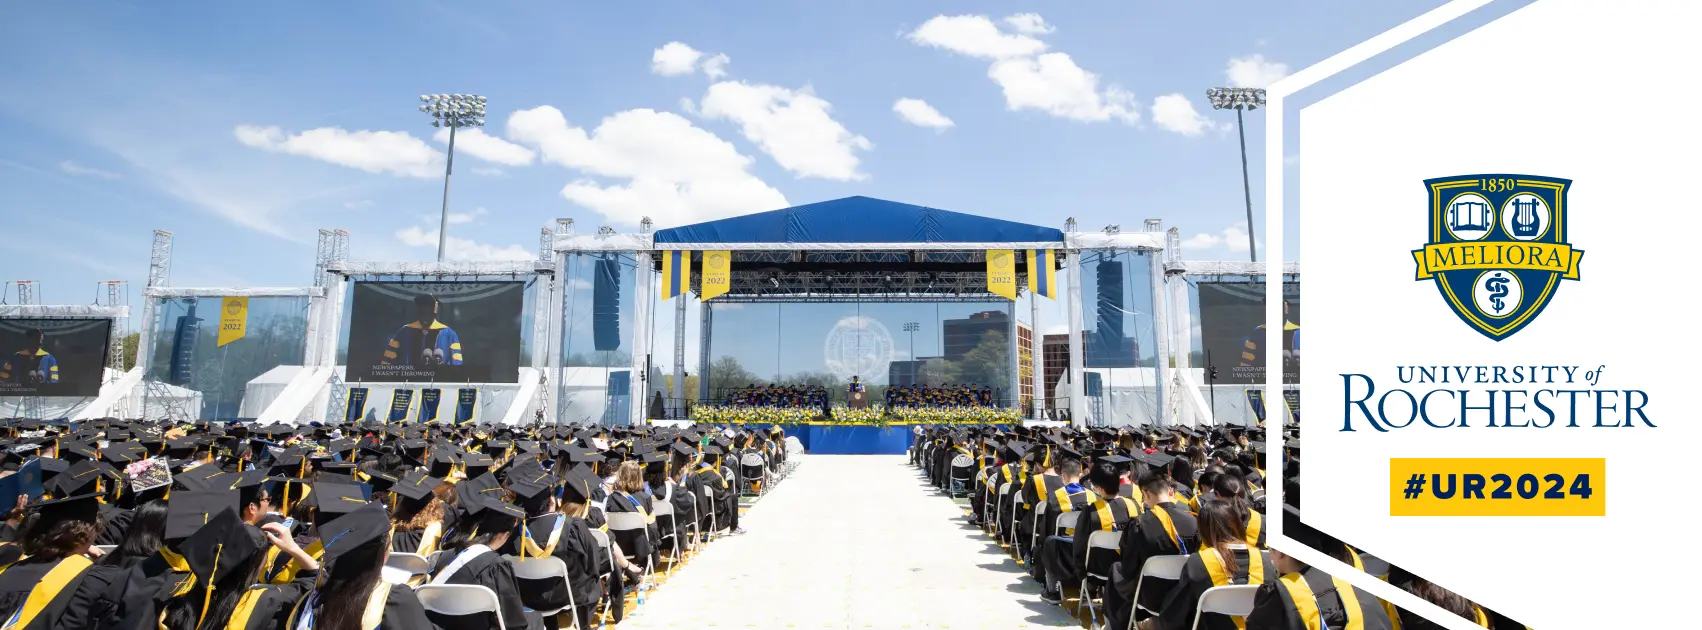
x,y
579,551
1274,605
1036,489
1066,561
405,542
275,602
1183,599
117,523
402,611
491,571
87,602
1148,538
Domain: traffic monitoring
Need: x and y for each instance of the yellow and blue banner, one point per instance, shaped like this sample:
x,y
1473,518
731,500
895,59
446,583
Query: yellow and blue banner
x,y
1256,402
676,273
400,401
356,408
429,398
464,405
717,274
1043,272
1001,272
233,320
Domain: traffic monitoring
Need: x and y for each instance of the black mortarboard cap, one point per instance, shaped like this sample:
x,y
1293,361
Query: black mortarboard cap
x,y
219,547
365,524
336,499
188,510
82,507
530,483
416,486
381,481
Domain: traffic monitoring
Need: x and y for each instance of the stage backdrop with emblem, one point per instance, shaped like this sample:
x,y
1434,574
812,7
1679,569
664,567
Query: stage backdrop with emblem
x,y
52,357
474,334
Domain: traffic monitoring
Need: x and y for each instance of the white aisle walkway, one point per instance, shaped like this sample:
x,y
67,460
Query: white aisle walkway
x,y
851,541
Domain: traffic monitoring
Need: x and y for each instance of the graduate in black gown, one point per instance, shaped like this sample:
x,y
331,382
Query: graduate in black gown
x,y
578,550
58,572
1065,557
1302,598
418,515
142,538
1223,559
1042,481
354,596
486,523
1166,528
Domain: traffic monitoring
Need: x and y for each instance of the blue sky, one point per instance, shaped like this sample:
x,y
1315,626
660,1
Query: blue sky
x,y
244,127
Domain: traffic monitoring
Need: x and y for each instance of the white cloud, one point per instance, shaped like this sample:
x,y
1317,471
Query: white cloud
x,y
1029,24
1233,238
393,152
716,67
675,172
1030,77
1054,84
1174,112
461,218
795,127
77,169
1254,71
489,171
461,248
676,59
489,148
976,36
918,112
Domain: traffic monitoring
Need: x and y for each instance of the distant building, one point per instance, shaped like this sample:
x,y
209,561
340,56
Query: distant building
x,y
1055,364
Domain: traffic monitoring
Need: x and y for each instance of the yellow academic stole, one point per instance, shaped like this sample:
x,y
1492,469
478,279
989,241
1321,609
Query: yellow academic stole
x,y
529,548
1214,568
287,575
429,537
1164,519
1306,602
1255,524
50,586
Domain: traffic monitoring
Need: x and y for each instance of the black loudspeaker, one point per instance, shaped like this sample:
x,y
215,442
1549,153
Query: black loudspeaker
x,y
606,306
183,348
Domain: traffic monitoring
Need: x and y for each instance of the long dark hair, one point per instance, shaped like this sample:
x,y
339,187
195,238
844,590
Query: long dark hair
x,y
349,584
145,535
183,612
1220,525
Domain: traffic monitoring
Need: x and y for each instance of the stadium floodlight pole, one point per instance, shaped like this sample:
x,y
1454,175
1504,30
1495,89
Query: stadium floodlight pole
x,y
1240,99
912,327
452,111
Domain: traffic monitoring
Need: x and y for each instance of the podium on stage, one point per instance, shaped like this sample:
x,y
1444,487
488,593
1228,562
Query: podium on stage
x,y
856,395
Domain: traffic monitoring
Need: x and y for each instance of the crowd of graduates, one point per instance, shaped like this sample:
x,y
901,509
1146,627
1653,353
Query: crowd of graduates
x,y
788,396
913,396
299,528
1084,511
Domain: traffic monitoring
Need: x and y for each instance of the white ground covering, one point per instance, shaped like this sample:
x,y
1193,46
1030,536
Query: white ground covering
x,y
814,558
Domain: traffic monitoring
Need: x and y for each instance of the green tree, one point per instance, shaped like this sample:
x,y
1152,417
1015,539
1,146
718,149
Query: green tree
x,y
132,343
988,363
727,373
937,371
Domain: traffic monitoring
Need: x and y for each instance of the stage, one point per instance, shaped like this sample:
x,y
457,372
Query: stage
x,y
850,439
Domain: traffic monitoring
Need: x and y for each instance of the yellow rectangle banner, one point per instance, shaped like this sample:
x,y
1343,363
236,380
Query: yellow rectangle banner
x,y
1498,487
717,274
1001,272
233,320
1439,257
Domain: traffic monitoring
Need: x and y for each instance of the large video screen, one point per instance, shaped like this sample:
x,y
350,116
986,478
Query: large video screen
x,y
461,332
1232,331
53,357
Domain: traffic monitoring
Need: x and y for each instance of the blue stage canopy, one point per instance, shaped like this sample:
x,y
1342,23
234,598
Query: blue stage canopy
x,y
859,222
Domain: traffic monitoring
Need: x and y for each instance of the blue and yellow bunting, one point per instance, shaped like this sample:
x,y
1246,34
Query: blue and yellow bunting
x,y
1043,272
676,273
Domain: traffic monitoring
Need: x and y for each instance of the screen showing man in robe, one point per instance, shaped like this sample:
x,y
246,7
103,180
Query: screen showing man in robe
x,y
1232,331
53,357
463,332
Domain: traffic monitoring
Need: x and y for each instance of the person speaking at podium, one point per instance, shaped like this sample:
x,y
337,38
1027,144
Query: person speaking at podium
x,y
856,395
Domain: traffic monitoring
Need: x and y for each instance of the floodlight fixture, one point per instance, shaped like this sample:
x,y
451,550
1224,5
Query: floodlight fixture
x,y
1241,99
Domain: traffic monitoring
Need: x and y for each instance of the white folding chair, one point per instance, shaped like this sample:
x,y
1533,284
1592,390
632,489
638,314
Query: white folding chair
x,y
955,482
1235,601
1102,541
602,539
753,460
400,568
692,529
458,600
545,568
1065,524
628,522
661,507
1010,536
1158,568
999,509
1034,530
